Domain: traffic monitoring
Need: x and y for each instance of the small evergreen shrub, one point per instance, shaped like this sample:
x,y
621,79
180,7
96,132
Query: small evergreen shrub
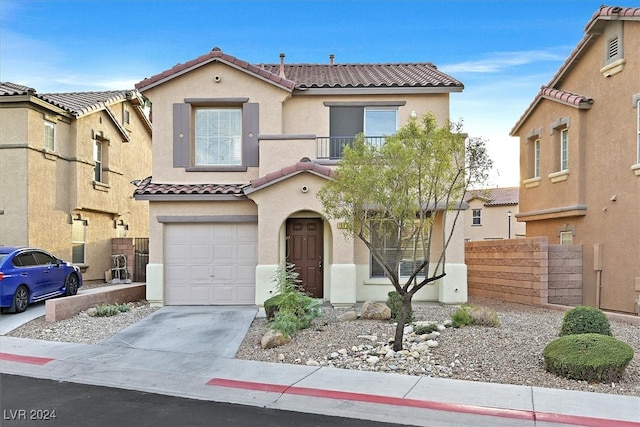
x,y
394,302
585,320
470,314
587,357
425,329
461,317
291,309
111,310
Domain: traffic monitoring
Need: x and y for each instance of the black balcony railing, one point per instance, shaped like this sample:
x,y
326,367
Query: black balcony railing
x,y
331,147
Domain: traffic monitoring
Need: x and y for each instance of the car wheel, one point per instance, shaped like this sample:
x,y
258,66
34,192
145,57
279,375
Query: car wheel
x,y
21,299
71,285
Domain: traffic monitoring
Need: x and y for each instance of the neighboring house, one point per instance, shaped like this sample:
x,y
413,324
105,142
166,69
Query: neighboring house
x,y
66,165
580,158
240,152
491,214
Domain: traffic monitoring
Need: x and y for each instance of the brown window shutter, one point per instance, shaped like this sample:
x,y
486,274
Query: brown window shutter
x,y
181,134
250,128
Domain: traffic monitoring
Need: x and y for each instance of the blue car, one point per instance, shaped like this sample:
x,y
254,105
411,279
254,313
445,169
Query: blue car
x,y
28,275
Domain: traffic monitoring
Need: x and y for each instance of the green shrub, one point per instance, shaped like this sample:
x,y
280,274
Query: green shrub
x,y
461,317
394,302
585,320
111,310
470,314
291,309
587,357
425,329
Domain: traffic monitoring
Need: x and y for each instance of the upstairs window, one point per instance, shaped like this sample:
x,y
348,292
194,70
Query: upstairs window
x,y
97,160
218,136
564,149
536,158
476,217
49,136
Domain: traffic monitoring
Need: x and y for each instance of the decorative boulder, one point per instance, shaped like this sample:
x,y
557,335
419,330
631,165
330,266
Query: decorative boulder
x,y
375,311
348,316
273,339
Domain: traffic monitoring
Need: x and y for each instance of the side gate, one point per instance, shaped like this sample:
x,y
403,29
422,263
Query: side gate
x,y
141,246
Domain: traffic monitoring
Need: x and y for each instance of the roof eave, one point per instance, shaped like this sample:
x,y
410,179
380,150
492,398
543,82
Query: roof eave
x,y
377,90
141,87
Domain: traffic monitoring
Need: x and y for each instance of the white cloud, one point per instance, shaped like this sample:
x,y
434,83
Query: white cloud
x,y
501,61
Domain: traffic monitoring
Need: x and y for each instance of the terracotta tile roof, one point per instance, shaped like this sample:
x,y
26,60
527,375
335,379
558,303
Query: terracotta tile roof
x,y
592,30
495,196
10,89
286,172
306,76
365,75
80,103
565,97
146,187
76,103
215,55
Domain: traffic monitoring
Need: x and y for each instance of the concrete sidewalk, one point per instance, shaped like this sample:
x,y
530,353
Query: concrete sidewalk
x,y
154,356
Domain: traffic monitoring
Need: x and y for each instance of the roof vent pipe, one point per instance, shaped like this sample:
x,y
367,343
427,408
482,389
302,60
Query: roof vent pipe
x,y
282,66
331,57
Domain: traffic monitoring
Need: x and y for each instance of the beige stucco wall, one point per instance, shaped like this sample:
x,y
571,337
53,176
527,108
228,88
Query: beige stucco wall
x,y
494,222
48,188
304,114
199,83
602,153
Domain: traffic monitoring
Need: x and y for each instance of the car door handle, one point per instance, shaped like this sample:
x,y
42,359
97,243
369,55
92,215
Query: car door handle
x,y
23,274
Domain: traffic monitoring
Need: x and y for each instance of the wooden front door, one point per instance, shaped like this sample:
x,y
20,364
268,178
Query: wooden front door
x,y
304,249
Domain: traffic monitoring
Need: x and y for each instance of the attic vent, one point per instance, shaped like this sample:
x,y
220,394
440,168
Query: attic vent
x,y
613,48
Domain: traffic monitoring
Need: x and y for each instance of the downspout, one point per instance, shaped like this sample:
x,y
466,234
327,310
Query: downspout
x,y
597,266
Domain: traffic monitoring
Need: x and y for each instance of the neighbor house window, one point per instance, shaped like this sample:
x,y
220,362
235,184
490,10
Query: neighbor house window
x,y
97,160
477,217
536,158
218,136
380,122
384,238
566,238
49,136
564,149
78,241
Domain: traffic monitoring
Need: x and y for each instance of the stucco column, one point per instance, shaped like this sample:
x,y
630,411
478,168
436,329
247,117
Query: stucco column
x,y
343,268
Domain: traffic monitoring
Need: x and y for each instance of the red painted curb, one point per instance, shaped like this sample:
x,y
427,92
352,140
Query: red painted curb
x,y
25,359
424,404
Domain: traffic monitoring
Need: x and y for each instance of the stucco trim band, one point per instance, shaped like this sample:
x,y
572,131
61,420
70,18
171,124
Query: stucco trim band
x,y
207,218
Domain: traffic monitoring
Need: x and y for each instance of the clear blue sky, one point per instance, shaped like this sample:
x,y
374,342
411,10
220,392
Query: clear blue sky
x,y
502,50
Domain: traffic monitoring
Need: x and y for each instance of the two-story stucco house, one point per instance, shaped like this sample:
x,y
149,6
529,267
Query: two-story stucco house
x,y
240,152
66,165
580,158
491,214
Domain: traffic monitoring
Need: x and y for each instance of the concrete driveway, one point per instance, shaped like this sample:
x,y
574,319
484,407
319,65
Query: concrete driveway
x,y
211,330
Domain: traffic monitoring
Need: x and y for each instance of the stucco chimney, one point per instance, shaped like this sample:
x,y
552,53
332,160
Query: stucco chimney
x,y
282,66
331,56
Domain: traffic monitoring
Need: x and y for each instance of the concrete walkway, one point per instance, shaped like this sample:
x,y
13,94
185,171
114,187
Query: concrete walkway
x,y
188,352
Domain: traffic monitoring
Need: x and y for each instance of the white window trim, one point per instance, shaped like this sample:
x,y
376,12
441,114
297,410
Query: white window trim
x,y
98,162
564,149
473,217
562,236
536,158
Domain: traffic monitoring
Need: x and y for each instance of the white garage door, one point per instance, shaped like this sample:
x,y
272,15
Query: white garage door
x,y
210,264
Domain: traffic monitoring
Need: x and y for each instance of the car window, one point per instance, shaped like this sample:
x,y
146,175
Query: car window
x,y
44,258
2,257
25,260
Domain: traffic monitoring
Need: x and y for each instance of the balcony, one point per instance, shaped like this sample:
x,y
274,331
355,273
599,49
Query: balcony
x,y
331,147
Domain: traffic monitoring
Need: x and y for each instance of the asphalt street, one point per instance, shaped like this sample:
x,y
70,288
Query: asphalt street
x,y
26,401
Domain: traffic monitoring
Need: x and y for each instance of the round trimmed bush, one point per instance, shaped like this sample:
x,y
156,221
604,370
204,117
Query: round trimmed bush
x,y
585,320
587,357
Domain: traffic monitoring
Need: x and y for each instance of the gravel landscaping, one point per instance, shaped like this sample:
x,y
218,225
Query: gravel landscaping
x,y
509,354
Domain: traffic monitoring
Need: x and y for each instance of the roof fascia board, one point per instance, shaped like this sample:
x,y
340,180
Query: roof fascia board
x,y
377,90
203,63
38,102
364,103
249,189
188,197
123,132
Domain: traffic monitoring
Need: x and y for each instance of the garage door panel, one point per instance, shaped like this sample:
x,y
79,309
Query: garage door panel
x,y
210,263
